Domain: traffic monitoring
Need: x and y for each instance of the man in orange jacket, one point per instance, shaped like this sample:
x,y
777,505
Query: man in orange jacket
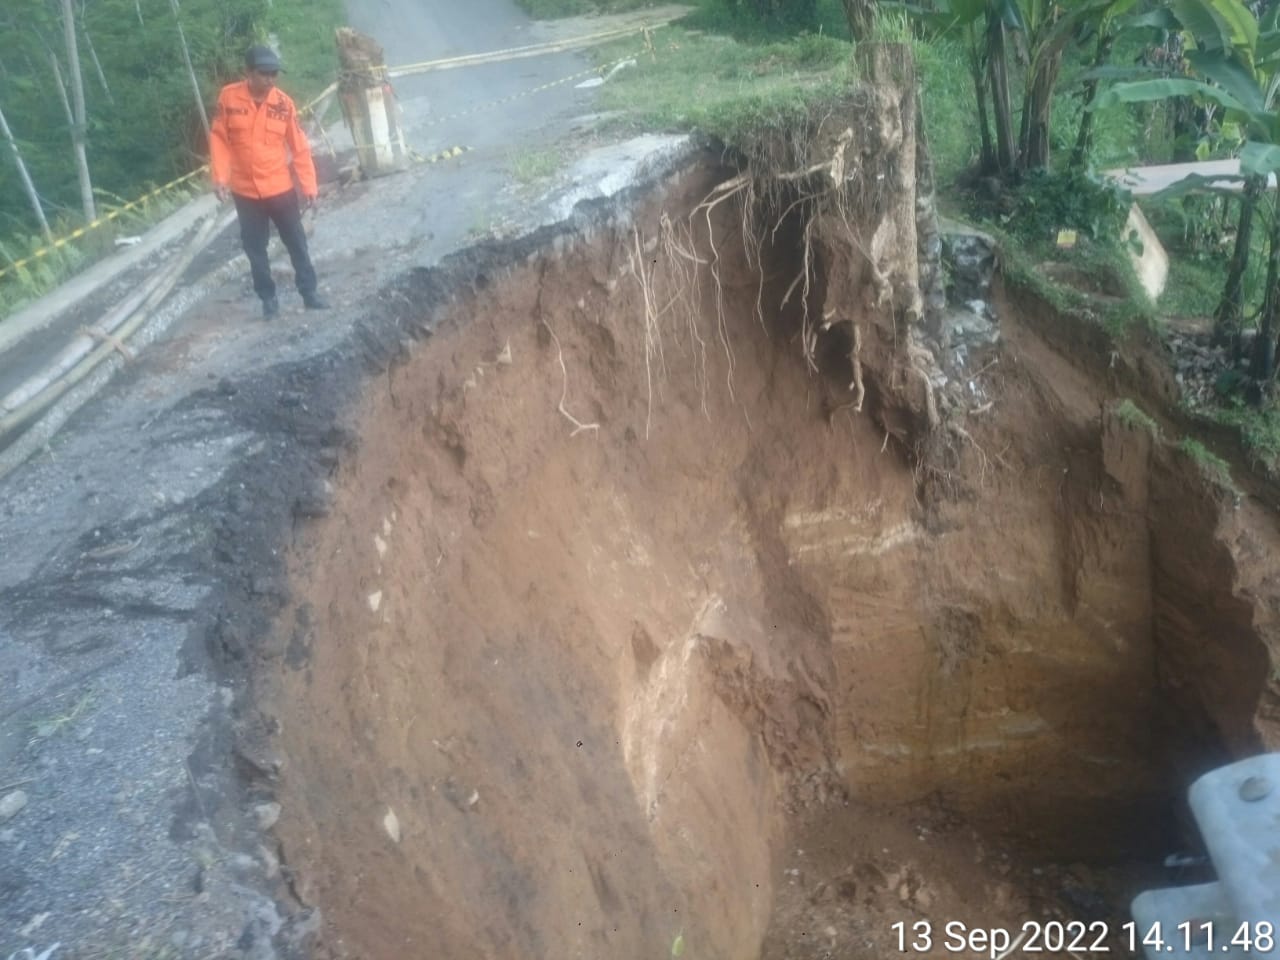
x,y
254,139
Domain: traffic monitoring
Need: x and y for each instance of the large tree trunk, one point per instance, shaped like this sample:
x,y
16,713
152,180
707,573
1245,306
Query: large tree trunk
x,y
1262,364
998,73
30,187
1226,319
1084,138
191,73
79,128
861,15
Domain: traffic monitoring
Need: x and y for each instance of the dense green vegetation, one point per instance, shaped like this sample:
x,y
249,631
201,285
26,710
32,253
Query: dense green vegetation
x,y
1026,103
142,125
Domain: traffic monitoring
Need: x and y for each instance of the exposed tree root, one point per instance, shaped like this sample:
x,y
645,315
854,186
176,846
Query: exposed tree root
x,y
744,183
652,336
678,249
578,425
844,215
859,391
919,359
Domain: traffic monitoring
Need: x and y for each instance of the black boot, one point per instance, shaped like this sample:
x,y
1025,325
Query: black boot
x,y
270,308
313,301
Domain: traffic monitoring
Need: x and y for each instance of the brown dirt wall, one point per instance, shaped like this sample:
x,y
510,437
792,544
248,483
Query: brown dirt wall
x,y
608,610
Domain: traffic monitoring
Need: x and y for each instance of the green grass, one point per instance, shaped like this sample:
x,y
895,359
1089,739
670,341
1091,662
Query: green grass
x,y
726,74
1259,430
531,167
947,100
20,286
1213,466
1022,259
719,69
1093,277
1198,234
29,282
724,86
1132,415
1193,287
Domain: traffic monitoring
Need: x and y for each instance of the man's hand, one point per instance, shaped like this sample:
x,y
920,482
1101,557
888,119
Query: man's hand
x,y
222,193
309,203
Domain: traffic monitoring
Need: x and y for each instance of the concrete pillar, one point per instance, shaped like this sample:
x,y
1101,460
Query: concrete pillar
x,y
369,106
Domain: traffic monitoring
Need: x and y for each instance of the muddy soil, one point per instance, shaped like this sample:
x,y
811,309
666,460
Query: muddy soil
x,y
621,633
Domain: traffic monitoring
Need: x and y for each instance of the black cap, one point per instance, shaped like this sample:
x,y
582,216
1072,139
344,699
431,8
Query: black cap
x,y
261,58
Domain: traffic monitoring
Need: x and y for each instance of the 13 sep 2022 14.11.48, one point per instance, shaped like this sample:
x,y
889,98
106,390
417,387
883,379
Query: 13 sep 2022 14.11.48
x,y
1053,936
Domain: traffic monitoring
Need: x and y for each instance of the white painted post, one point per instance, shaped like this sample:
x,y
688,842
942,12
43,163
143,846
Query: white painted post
x,y
369,104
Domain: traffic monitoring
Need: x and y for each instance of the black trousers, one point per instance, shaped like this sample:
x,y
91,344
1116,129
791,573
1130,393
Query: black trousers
x,y
256,217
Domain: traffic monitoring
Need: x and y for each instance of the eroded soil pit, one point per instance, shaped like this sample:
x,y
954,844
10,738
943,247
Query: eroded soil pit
x,y
628,636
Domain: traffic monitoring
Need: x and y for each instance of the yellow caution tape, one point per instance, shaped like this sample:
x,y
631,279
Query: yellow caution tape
x,y
458,151
311,104
489,105
94,224
437,157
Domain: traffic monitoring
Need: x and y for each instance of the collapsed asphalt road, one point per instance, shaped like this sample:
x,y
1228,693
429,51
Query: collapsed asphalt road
x,y
139,550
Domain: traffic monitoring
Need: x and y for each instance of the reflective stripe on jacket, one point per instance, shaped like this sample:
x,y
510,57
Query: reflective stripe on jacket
x,y
248,141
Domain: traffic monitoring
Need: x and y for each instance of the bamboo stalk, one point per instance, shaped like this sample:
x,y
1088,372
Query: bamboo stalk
x,y
191,73
61,84
93,55
320,131
76,350
59,384
79,129
317,108
26,178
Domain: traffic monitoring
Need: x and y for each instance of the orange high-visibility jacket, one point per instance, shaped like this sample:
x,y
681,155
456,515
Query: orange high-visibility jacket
x,y
247,144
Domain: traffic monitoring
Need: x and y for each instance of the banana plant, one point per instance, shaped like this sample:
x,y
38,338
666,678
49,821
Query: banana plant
x,y
1234,60
1036,31
988,28
1050,27
1109,26
32,196
965,19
